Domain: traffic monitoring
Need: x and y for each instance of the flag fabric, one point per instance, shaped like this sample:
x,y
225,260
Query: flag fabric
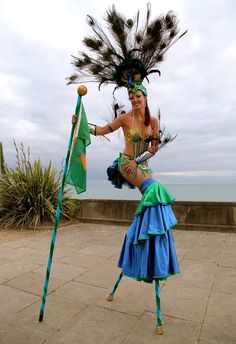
x,y
77,164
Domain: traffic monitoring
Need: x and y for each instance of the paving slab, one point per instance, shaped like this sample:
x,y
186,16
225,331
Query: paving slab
x,y
88,294
16,253
13,300
114,240
62,271
185,239
104,275
96,325
38,243
207,246
11,334
225,281
181,252
82,260
213,254
59,313
196,273
5,260
15,243
99,250
33,283
211,239
176,331
219,325
40,258
132,297
12,270
230,242
185,302
228,258
2,280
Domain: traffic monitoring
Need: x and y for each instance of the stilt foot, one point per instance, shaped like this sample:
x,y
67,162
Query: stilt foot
x,y
160,329
110,297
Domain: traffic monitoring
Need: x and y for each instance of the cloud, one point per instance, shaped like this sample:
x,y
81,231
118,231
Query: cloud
x,y
52,23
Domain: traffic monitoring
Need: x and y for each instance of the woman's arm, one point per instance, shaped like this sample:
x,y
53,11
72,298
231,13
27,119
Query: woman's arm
x,y
155,136
109,128
106,129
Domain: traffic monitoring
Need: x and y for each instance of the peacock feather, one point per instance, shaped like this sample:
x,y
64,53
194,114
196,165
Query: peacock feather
x,y
127,53
164,138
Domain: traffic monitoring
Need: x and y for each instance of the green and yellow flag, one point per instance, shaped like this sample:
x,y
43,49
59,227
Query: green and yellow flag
x,y
77,164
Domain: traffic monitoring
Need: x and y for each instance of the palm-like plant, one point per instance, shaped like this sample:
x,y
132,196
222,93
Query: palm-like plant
x,y
29,194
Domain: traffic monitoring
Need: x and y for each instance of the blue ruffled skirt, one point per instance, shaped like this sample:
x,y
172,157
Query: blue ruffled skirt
x,y
148,251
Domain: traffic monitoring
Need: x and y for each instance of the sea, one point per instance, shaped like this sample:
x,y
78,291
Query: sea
x,y
102,189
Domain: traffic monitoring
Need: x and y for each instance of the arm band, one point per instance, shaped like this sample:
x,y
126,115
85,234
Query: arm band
x,y
92,129
143,157
110,128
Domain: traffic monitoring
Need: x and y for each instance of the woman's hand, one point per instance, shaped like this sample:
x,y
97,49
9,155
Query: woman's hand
x,y
73,119
152,149
130,166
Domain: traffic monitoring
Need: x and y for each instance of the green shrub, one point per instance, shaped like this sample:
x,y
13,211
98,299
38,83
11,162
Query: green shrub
x,y
29,194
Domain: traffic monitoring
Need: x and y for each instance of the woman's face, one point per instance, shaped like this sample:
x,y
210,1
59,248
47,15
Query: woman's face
x,y
138,100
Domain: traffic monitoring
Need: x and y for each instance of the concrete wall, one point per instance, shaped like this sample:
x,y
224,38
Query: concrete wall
x,y
210,216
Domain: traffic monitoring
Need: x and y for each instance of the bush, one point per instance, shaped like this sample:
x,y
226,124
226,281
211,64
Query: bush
x,y
29,194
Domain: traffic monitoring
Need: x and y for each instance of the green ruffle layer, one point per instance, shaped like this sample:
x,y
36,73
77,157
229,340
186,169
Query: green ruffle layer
x,y
153,195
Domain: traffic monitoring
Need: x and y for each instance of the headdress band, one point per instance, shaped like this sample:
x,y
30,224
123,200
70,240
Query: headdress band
x,y
138,88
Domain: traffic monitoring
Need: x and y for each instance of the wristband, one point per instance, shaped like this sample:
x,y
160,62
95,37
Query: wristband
x,y
92,129
143,157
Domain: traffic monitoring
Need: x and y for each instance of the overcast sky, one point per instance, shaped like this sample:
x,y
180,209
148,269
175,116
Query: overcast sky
x,y
196,92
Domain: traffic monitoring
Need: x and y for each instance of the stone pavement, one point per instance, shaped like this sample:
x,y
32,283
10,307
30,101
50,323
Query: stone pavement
x,y
199,305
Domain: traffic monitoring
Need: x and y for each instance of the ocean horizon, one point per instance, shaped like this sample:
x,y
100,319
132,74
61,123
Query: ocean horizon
x,y
103,189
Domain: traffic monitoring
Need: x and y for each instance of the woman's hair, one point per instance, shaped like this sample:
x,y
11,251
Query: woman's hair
x,y
147,115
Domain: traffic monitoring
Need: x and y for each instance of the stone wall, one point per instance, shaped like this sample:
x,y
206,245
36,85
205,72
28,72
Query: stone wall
x,y
210,216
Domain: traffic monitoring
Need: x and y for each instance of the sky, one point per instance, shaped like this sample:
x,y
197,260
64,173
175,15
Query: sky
x,y
195,93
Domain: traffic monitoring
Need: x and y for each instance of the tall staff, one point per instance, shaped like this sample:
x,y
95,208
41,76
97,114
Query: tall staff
x,y
81,90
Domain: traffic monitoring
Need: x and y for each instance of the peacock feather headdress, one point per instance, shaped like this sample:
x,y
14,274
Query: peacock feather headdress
x,y
128,53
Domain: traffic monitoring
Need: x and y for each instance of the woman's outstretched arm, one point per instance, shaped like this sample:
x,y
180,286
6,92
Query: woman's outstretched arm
x,y
108,128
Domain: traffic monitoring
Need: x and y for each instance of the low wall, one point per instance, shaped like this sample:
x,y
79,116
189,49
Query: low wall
x,y
208,216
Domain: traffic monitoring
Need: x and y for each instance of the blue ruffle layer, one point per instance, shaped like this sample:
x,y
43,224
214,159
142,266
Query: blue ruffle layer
x,y
152,221
148,250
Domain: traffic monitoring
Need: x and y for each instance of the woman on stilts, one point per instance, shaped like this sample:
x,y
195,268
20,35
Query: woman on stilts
x,y
148,252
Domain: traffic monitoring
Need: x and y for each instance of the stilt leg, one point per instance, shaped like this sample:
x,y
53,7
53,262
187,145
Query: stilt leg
x,y
159,327
111,295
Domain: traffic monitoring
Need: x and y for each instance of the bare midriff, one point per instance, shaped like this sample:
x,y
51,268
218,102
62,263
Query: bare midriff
x,y
135,148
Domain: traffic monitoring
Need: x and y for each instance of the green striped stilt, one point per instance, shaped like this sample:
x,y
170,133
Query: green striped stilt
x,y
159,327
111,295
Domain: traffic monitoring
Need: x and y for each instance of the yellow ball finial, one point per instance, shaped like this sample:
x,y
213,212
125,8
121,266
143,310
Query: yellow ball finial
x,y
82,90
